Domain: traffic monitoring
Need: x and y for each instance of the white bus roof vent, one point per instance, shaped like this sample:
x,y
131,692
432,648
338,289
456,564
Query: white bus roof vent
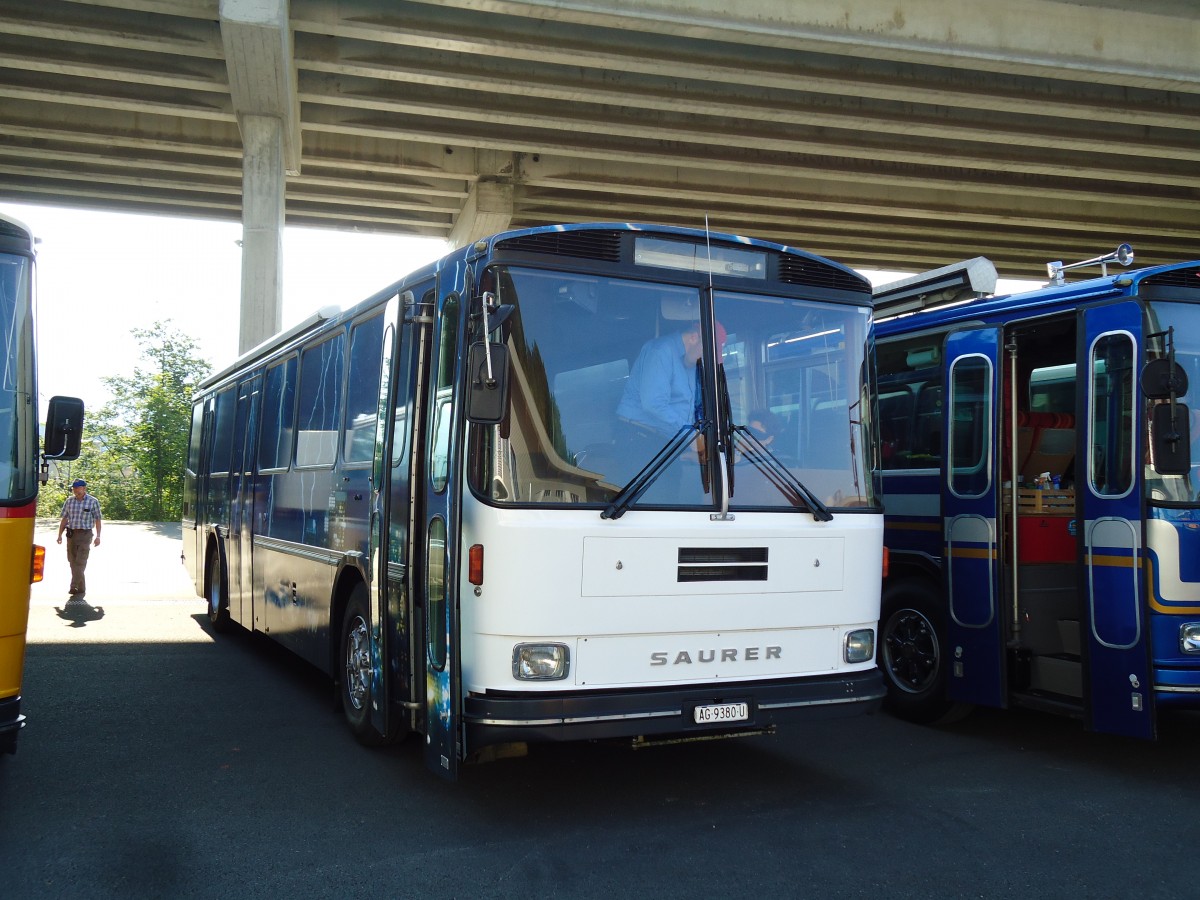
x,y
956,283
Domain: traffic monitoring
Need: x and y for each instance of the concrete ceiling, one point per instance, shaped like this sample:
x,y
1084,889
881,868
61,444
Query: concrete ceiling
x,y
885,133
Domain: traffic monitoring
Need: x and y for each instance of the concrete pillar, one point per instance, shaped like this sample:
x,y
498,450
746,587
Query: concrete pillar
x,y
489,208
263,184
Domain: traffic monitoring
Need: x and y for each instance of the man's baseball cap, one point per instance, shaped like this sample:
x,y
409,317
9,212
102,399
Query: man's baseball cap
x,y
78,482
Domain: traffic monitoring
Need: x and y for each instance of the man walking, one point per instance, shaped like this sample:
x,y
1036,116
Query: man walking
x,y
81,513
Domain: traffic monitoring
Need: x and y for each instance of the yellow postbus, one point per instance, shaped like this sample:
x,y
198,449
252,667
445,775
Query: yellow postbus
x,y
20,560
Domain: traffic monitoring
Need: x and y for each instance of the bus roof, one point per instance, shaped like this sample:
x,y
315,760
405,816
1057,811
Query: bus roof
x,y
487,245
1047,298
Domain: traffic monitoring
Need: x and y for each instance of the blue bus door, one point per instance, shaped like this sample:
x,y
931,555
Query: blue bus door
x,y
1118,686
974,621
381,473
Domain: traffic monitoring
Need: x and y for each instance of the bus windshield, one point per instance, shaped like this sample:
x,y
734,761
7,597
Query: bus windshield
x,y
18,428
584,350
1184,318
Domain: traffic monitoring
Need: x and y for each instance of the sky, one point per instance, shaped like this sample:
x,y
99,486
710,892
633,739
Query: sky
x,y
102,274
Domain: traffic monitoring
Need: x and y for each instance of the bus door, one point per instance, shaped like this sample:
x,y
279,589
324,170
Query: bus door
x,y
975,620
1118,686
380,537
239,547
437,542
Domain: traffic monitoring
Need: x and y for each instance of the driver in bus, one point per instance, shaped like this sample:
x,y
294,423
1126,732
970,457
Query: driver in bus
x,y
662,394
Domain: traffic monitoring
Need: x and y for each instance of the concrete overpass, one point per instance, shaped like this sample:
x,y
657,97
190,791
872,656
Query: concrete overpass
x,y
884,133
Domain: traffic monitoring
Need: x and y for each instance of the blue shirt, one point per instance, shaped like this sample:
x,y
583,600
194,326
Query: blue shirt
x,y
661,390
81,513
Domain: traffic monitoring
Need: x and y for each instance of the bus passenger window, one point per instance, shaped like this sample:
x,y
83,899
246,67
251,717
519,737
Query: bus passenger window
x,y
320,394
970,426
278,416
222,445
1110,431
362,391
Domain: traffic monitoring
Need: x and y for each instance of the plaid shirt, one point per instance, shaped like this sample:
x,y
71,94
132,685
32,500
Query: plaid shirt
x,y
81,513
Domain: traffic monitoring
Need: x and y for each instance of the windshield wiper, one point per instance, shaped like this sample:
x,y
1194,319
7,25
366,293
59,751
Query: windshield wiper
x,y
780,475
637,486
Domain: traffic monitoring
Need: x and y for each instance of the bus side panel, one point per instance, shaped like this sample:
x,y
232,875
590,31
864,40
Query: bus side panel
x,y
298,569
16,541
913,526
1173,552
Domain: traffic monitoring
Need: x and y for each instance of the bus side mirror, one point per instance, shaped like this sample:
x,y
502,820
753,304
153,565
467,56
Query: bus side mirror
x,y
1163,377
487,395
1170,439
64,428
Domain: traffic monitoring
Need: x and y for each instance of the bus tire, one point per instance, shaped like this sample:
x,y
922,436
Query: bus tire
x,y
355,673
912,655
217,595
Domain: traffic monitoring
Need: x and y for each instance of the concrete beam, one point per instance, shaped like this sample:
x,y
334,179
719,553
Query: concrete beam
x,y
1087,40
257,38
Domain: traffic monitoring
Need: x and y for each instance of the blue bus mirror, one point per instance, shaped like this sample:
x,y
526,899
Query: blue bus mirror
x,y
487,383
64,428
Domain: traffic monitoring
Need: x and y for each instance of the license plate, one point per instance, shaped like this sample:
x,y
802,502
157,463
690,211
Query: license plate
x,y
722,712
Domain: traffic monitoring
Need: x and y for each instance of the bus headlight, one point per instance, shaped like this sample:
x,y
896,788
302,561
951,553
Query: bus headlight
x,y
1189,637
860,646
541,662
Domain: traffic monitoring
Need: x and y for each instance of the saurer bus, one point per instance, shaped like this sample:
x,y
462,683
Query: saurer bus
x,y
21,561
433,497
1042,494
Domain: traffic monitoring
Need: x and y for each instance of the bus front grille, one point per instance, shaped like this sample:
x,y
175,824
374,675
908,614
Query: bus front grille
x,y
722,564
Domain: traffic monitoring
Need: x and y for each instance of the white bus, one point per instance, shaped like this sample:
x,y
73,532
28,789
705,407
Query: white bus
x,y
447,498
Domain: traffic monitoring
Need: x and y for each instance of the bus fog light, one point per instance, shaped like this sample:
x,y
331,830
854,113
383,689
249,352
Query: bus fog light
x,y
1189,637
860,646
541,662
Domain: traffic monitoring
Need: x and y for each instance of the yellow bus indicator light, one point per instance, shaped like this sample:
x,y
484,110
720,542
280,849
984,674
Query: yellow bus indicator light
x,y
37,566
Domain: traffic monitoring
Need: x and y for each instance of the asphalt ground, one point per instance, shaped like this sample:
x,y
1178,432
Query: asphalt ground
x,y
161,760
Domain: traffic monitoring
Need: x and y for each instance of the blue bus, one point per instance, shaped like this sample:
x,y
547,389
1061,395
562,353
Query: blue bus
x,y
452,499
1042,495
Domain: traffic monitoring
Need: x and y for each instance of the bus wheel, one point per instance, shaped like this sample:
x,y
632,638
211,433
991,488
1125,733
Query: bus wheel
x,y
355,669
912,655
218,598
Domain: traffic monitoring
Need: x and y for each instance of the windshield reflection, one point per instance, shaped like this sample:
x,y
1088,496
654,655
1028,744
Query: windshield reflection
x,y
604,372
1185,319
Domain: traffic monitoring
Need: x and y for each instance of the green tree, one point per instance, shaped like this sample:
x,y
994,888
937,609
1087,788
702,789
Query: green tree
x,y
135,445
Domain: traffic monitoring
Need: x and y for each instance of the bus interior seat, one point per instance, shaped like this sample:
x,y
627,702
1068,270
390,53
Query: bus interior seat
x,y
1045,443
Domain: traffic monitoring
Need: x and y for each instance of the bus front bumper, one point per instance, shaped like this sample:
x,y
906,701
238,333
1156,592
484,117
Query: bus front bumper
x,y
1177,687
499,717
